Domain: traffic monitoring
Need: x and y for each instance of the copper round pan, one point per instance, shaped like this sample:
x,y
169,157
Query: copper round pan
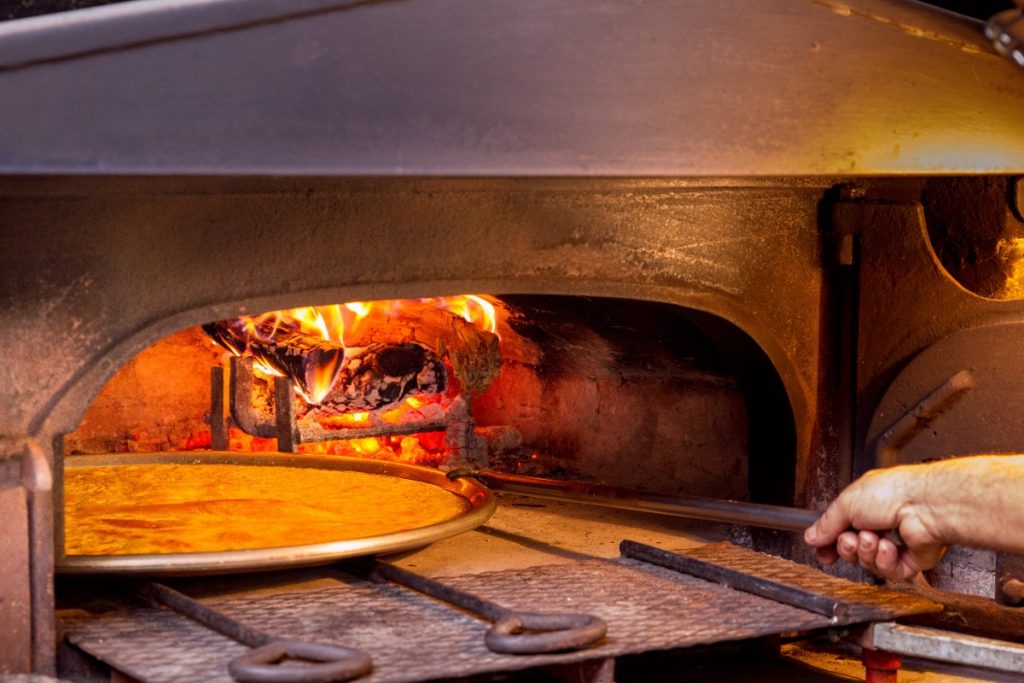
x,y
481,507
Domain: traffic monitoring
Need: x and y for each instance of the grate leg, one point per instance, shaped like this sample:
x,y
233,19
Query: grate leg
x,y
880,666
592,671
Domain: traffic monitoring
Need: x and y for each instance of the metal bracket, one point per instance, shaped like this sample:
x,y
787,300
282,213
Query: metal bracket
x,y
945,646
920,416
290,432
28,634
844,227
1016,198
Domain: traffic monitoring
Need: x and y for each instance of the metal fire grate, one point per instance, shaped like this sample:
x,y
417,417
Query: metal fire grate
x,y
414,638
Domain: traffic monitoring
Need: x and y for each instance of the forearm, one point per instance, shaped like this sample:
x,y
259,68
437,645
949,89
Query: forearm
x,y
976,501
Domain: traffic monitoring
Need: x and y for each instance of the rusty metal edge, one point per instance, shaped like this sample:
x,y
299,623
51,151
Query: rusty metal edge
x,y
110,27
947,646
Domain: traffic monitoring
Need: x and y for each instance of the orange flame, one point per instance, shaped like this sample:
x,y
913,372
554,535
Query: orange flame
x,y
474,309
329,324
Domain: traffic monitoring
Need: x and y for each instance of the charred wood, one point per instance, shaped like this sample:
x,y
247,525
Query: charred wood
x,y
311,362
381,376
473,353
262,421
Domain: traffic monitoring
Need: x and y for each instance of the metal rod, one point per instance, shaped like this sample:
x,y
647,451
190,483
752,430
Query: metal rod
x,y
288,437
264,663
313,432
218,423
756,585
436,589
947,646
917,419
517,633
196,611
693,507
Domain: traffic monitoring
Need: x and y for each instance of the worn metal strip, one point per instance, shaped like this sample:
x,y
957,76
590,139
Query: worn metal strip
x,y
947,646
766,588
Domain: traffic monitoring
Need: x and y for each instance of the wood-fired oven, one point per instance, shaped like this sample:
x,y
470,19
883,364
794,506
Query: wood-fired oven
x,y
736,251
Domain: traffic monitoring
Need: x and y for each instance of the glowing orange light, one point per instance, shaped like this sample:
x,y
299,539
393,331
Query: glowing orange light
x,y
260,365
365,446
474,309
328,324
360,308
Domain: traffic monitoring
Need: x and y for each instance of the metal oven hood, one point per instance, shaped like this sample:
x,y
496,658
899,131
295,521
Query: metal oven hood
x,y
507,88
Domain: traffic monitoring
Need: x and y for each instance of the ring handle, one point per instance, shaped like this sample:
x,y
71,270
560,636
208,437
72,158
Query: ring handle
x,y
532,634
328,663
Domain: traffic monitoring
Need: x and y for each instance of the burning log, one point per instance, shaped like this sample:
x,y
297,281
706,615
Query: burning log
x,y
376,377
380,376
313,363
403,344
473,353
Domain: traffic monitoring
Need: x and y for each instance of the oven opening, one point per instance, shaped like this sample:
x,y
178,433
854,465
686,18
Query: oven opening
x,y
636,394
639,395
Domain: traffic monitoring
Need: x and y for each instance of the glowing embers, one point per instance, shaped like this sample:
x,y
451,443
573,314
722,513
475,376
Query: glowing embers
x,y
425,448
309,345
390,379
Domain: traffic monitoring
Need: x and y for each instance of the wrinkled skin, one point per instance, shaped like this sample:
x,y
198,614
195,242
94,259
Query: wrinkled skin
x,y
977,501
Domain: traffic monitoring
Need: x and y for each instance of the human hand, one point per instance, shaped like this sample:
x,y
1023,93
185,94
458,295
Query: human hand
x,y
880,500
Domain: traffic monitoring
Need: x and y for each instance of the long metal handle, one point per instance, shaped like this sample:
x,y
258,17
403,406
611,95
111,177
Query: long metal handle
x,y
263,664
514,633
693,507
819,603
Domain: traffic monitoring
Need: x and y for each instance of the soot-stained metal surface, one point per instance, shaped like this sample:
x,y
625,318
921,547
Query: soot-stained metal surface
x,y
413,638
501,88
866,603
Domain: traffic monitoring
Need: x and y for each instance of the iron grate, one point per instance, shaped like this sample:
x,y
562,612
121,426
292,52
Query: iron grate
x,y
415,638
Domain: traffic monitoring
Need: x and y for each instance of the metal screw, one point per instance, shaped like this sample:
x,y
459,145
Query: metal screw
x,y
852,192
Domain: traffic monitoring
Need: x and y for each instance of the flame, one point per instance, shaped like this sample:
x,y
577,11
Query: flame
x,y
261,366
262,335
360,308
346,420
422,449
474,309
365,446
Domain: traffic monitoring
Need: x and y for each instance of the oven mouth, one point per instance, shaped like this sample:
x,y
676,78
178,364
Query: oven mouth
x,y
642,395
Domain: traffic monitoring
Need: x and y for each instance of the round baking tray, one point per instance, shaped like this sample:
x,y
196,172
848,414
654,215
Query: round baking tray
x,y
481,507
